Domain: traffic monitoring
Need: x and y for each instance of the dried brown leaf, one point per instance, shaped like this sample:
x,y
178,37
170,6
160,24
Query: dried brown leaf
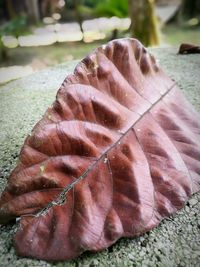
x,y
117,152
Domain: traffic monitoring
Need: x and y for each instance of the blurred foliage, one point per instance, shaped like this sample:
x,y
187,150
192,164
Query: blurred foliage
x,y
111,8
190,9
86,3
189,13
86,10
100,8
17,26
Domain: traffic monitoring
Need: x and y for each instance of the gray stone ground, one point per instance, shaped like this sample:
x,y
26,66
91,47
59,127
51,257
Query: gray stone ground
x,y
175,242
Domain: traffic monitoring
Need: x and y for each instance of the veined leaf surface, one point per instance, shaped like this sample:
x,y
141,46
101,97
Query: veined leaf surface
x,y
117,152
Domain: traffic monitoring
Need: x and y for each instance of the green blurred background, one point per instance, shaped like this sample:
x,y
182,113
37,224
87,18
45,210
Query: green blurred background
x,y
35,34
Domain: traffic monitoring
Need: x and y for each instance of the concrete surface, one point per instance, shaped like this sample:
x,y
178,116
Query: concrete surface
x,y
174,243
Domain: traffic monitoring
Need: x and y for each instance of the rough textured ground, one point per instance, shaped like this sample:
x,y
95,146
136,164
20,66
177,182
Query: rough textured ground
x,y
175,242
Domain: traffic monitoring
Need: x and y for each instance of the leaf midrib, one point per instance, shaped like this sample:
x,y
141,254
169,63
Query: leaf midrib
x,y
61,199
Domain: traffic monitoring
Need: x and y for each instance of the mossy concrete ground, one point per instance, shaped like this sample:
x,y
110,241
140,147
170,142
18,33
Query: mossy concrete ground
x,y
175,242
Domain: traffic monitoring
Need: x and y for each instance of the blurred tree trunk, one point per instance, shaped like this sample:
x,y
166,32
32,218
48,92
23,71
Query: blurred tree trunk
x,y
190,9
48,7
78,14
3,52
10,9
144,24
33,10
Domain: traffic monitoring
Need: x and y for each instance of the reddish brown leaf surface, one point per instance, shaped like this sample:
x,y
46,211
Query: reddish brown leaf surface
x,y
117,152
